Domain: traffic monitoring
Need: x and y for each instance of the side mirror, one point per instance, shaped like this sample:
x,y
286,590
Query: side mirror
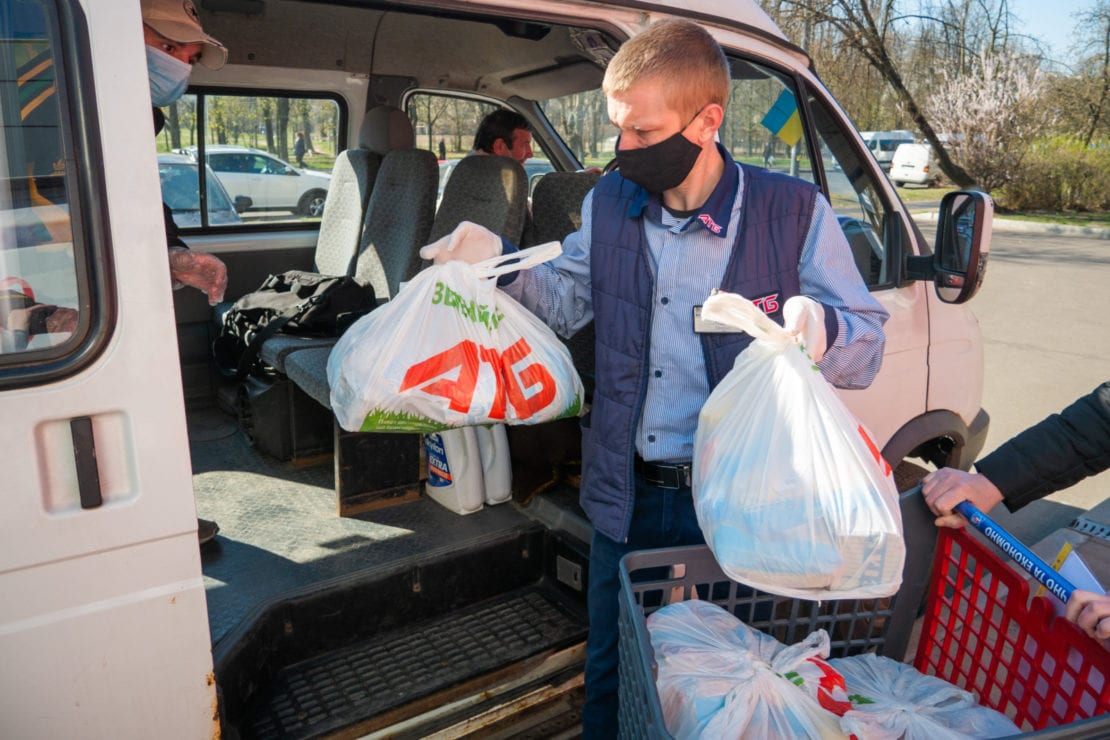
x,y
243,203
290,171
959,259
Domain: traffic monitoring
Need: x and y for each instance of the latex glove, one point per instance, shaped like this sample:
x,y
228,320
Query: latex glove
x,y
945,488
469,242
200,270
805,319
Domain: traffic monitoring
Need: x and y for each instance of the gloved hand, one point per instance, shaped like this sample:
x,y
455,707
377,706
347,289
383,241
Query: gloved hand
x,y
200,270
469,242
805,319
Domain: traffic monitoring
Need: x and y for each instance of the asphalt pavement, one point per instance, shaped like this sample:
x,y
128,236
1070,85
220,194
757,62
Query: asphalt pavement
x,y
1044,311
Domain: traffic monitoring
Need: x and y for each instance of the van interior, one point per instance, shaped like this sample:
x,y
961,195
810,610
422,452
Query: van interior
x,y
340,598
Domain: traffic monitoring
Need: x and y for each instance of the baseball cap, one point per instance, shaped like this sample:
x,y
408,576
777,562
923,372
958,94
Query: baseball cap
x,y
177,20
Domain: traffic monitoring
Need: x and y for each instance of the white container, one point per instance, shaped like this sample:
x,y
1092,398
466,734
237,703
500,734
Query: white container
x,y
455,470
493,443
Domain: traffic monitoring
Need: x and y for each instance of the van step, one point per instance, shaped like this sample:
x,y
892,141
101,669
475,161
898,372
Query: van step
x,y
347,686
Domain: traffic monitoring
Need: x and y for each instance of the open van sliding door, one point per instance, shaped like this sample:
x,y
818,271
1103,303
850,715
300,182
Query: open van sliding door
x,y
103,626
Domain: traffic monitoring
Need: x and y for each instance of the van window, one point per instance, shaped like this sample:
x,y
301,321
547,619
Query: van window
x,y
445,125
269,158
875,232
763,124
43,277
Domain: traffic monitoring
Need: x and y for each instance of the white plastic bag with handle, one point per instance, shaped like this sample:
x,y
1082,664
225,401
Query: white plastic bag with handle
x,y
452,350
790,489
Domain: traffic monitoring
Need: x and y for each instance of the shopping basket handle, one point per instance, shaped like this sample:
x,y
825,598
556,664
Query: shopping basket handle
x,y
1060,587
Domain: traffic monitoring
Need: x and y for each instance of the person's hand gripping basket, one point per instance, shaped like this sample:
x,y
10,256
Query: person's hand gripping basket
x,y
791,492
452,350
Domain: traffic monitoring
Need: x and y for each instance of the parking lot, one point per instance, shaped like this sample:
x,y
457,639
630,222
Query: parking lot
x,y
1045,315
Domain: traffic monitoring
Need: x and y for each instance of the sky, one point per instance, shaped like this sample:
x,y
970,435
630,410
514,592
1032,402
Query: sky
x,y
1051,21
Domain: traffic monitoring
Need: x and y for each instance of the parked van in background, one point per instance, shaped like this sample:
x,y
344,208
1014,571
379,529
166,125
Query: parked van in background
x,y
337,599
883,143
914,163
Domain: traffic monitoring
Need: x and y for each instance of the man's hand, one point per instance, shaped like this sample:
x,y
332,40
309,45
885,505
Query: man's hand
x,y
469,242
1091,612
200,270
805,319
945,488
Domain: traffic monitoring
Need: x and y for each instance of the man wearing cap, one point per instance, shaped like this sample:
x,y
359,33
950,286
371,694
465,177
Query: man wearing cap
x,y
175,42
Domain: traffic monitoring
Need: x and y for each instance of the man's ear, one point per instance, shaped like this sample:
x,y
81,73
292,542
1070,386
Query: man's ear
x,y
709,120
500,148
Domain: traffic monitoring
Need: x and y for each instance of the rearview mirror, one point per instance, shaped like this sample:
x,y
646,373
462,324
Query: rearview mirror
x,y
243,203
959,259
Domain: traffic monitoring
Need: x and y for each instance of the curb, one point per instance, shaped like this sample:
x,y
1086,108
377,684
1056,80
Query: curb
x,y
1014,226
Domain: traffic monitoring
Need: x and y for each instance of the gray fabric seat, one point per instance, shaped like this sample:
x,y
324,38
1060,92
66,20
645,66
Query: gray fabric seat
x,y
342,236
488,190
308,368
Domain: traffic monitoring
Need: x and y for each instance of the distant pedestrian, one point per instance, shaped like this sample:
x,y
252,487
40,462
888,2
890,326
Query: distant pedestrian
x,y
442,150
298,149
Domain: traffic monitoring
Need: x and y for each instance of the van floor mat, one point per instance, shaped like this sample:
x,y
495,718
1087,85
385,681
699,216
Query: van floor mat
x,y
343,687
280,534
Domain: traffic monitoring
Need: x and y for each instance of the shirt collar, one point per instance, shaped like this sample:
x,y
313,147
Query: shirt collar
x,y
714,214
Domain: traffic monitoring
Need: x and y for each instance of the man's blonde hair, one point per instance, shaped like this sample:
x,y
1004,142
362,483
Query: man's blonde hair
x,y
683,55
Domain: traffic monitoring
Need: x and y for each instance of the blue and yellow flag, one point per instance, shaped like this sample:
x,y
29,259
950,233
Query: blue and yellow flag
x,y
783,120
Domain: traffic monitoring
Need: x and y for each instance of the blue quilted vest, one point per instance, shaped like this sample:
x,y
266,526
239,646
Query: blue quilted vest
x,y
773,223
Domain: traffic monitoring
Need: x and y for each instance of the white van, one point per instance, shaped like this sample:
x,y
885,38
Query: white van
x,y
914,163
884,143
336,598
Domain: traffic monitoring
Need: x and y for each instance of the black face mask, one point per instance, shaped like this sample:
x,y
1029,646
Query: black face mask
x,y
660,166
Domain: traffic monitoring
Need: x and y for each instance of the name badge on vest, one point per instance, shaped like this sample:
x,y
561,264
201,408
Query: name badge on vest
x,y
768,304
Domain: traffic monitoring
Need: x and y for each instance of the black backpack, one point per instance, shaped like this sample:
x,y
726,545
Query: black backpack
x,y
293,302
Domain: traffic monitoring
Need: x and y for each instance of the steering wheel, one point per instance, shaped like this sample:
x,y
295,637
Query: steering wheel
x,y
610,166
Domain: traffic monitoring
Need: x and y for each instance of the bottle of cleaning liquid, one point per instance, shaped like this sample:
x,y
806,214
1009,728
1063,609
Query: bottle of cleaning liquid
x,y
493,443
455,470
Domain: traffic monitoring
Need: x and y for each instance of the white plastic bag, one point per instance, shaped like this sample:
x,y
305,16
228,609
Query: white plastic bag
x,y
452,350
719,678
893,700
792,494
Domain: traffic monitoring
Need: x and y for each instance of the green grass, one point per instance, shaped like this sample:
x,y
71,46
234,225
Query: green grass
x,y
918,194
1097,220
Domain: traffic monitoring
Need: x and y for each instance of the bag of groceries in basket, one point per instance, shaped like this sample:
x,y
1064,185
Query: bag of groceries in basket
x,y
791,491
892,700
451,350
720,678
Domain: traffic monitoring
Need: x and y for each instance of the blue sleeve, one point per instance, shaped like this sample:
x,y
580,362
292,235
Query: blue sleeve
x,y
558,292
853,318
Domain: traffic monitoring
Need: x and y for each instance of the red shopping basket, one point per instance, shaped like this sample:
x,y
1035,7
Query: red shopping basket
x,y
982,632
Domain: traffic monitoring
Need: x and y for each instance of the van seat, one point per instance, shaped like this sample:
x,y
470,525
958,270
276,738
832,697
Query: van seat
x,y
308,368
385,130
488,190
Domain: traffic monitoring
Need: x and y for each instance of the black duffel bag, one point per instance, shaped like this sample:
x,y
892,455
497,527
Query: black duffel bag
x,y
292,302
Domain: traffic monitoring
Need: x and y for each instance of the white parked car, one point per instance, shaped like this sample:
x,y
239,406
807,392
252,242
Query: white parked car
x,y
272,184
178,175
914,163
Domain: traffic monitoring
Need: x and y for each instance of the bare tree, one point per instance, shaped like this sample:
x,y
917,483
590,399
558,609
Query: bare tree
x,y
870,28
994,114
1095,25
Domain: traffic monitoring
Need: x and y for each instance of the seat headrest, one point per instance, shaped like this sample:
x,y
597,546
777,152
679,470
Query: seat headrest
x,y
385,128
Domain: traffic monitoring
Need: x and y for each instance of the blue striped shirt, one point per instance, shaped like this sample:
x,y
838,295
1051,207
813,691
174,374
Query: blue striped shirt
x,y
688,260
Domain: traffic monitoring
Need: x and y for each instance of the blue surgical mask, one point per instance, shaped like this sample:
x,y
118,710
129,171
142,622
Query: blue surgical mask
x,y
168,77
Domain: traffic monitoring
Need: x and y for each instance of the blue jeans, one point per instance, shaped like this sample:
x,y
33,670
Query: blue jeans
x,y
661,517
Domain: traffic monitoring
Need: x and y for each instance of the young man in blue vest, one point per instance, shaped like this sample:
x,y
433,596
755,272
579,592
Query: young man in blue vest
x,y
679,219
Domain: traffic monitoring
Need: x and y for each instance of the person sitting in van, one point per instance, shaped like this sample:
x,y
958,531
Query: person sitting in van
x,y
505,133
657,236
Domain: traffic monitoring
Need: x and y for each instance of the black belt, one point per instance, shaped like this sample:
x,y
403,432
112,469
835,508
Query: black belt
x,y
665,475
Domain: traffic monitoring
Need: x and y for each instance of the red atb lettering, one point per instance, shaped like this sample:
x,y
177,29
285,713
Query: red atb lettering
x,y
458,392
530,376
497,408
